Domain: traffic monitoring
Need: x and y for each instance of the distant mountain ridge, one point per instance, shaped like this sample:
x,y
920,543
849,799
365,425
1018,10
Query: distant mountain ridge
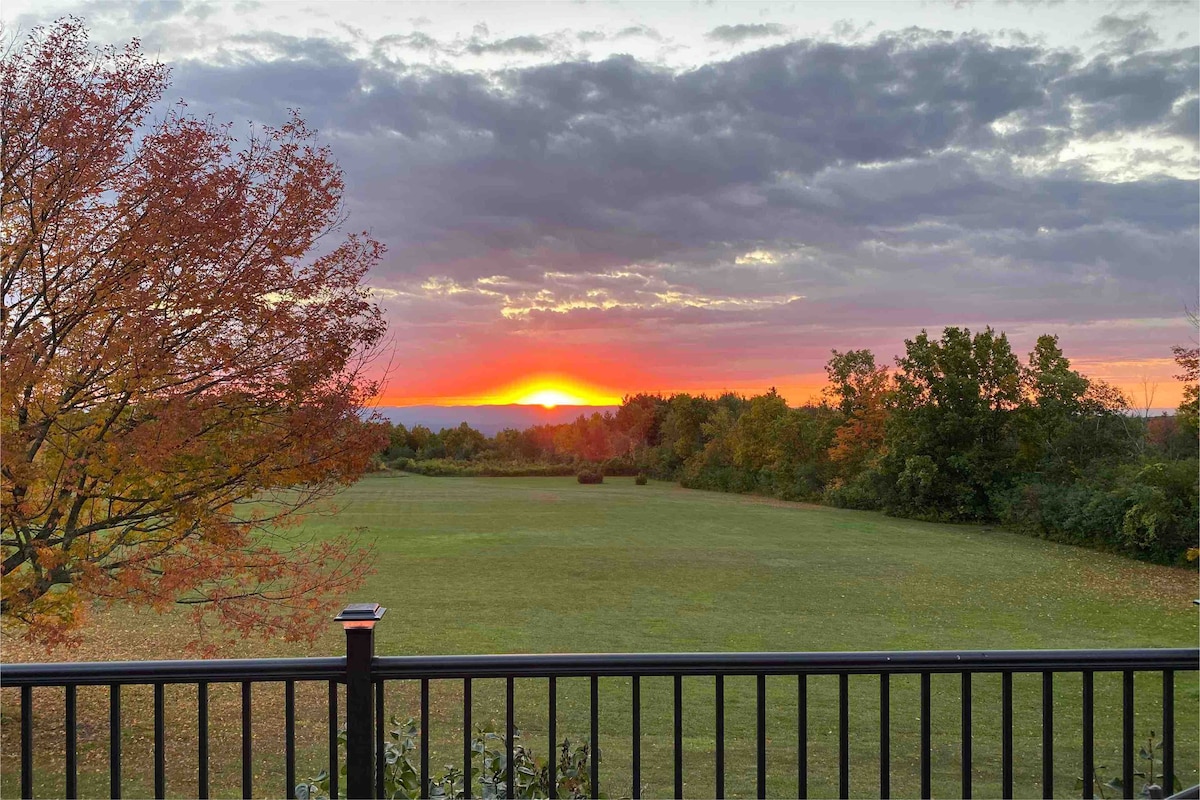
x,y
488,420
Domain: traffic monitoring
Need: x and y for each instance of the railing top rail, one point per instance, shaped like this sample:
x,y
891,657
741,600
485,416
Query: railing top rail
x,y
954,661
220,670
587,664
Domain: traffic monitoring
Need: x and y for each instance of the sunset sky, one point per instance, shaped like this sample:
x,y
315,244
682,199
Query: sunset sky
x,y
609,197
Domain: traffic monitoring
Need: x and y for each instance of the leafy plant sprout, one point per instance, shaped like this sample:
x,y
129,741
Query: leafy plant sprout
x,y
489,769
1153,779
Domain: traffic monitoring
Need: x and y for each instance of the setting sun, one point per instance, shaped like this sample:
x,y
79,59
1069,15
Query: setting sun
x,y
550,391
551,398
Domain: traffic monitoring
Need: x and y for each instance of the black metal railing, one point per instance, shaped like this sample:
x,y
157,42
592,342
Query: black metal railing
x,y
365,677
159,674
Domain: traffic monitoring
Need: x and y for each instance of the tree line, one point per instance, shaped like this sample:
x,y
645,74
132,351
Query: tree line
x,y
960,429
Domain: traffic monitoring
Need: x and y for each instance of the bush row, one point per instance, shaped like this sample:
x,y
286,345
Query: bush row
x,y
623,466
1148,510
448,468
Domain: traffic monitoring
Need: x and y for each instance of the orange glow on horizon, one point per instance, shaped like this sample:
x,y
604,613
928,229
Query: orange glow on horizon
x,y
553,389
549,398
550,391
546,389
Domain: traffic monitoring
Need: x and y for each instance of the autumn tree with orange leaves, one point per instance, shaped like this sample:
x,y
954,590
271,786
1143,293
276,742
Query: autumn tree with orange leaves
x,y
862,392
182,362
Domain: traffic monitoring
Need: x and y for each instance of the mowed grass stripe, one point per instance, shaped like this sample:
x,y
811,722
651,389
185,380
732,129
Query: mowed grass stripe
x,y
547,565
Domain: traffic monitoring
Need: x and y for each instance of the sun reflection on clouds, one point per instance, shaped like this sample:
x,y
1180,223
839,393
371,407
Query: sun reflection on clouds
x,y
557,292
757,258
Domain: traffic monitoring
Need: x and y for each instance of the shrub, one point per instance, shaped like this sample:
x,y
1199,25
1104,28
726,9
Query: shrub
x,y
716,477
531,778
1147,511
589,475
651,461
641,479
916,487
1160,502
620,466
864,491
803,481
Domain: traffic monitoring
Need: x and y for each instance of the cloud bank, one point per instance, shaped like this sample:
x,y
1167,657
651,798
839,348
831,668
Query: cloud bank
x,y
728,224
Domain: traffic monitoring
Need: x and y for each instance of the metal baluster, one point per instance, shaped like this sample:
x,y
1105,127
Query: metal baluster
x,y
425,737
289,738
966,735
467,780
595,746
1127,731
844,735
72,737
247,745
1089,776
510,728
885,736
114,741
926,788
719,704
381,737
762,735
334,760
1168,731
160,743
554,738
802,736
637,737
202,739
1006,735
1047,735
679,736
26,741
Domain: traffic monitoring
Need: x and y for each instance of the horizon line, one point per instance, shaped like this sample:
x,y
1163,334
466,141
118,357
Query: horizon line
x,y
502,405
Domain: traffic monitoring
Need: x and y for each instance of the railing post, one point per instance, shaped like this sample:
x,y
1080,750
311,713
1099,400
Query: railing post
x,y
358,620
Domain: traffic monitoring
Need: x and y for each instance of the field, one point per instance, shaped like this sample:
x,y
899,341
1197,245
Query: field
x,y
546,565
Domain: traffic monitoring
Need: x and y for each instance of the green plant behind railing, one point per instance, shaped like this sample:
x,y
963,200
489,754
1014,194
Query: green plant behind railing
x,y
1152,753
489,769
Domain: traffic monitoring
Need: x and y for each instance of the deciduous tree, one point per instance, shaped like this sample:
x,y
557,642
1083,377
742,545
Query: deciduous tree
x,y
949,437
863,393
1066,421
183,346
1188,359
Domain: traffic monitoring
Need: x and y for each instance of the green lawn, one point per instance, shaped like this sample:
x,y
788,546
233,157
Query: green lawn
x,y
546,565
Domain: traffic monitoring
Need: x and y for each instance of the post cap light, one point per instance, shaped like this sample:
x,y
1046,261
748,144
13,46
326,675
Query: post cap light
x,y
360,615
